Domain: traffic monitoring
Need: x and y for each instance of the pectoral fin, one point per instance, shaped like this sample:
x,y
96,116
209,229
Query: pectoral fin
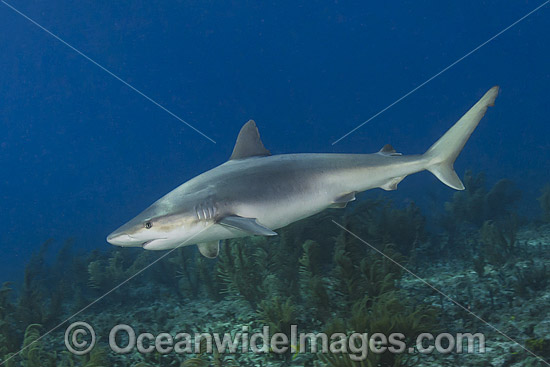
x,y
249,225
209,249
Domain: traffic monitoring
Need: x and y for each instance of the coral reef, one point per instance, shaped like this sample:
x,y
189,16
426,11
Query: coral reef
x,y
476,205
544,200
539,346
279,315
531,278
380,223
239,272
7,332
314,275
498,242
314,287
33,351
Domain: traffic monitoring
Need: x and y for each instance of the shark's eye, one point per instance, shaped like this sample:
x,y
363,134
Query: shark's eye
x,y
148,225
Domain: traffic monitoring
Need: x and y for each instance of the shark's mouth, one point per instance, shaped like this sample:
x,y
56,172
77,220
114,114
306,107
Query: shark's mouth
x,y
146,243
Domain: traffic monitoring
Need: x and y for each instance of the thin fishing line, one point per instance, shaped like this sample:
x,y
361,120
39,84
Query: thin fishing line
x,y
441,72
108,71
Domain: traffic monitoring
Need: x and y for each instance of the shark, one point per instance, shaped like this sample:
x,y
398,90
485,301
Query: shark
x,y
256,193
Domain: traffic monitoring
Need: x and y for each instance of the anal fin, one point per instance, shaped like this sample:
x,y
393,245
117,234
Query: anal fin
x,y
392,183
343,200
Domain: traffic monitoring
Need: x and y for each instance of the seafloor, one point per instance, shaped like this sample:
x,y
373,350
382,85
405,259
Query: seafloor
x,y
475,267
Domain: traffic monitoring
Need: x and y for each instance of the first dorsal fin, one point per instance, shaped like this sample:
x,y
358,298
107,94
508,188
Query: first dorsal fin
x,y
249,143
388,150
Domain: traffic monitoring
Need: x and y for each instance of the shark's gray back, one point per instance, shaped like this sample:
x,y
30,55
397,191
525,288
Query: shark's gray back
x,y
290,177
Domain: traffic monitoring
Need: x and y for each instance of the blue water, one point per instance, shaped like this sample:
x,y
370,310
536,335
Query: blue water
x,y
81,153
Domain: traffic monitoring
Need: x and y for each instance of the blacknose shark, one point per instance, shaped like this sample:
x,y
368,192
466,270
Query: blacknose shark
x,y
255,193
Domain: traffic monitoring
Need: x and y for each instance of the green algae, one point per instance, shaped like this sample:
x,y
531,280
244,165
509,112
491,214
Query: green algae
x,y
476,205
499,241
312,274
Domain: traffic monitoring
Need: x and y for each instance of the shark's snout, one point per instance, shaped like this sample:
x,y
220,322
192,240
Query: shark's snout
x,y
120,239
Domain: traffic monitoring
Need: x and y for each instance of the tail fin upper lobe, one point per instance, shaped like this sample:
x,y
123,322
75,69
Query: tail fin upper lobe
x,y
442,155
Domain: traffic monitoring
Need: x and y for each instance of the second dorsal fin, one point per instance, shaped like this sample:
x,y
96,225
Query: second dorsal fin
x,y
249,143
388,150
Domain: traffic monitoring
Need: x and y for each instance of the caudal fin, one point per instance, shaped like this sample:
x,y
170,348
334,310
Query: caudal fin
x,y
442,155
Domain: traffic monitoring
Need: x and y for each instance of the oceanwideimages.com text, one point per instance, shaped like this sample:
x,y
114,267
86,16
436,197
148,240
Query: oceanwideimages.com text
x,y
80,339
